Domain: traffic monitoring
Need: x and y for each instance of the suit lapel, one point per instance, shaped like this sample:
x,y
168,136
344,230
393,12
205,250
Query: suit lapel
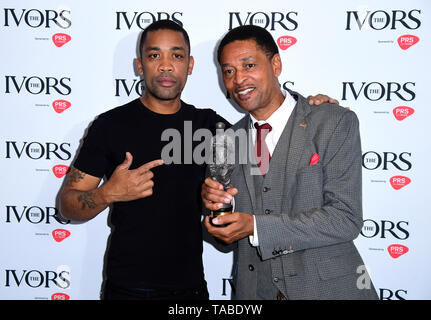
x,y
250,165
245,167
297,140
286,155
277,166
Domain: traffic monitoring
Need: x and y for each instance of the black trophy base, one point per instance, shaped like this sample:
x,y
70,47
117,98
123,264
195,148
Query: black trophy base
x,y
220,212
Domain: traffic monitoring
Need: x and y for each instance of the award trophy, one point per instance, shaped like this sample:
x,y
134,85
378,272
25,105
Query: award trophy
x,y
222,166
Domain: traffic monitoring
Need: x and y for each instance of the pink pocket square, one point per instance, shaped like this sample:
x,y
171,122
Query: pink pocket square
x,y
314,159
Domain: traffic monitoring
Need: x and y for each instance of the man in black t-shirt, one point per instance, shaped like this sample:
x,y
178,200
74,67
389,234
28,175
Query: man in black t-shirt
x,y
156,243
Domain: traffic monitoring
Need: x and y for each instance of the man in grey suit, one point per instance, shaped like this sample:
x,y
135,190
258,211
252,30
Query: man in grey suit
x,y
296,219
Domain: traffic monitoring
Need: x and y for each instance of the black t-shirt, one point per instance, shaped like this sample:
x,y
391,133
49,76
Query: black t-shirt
x,y
156,242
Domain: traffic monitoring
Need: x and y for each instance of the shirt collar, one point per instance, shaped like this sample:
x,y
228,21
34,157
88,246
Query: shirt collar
x,y
278,119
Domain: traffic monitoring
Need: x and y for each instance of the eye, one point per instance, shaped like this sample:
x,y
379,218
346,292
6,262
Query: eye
x,y
250,65
178,56
227,72
153,56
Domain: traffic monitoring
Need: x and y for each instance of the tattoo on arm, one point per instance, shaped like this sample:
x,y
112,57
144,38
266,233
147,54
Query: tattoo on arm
x,y
86,200
74,176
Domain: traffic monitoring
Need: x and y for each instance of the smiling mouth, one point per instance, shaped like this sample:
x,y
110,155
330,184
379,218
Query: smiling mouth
x,y
244,94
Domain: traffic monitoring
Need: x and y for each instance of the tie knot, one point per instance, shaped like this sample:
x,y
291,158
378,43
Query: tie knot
x,y
266,127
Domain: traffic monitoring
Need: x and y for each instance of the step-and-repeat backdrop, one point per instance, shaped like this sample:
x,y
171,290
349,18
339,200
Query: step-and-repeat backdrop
x,y
64,62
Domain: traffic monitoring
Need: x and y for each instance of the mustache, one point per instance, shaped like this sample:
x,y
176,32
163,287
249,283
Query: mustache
x,y
166,75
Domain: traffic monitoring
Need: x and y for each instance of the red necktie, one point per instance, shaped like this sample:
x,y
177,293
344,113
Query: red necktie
x,y
261,149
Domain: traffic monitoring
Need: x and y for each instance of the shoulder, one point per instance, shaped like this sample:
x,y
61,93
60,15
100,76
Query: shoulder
x,y
115,118
242,123
118,113
201,112
326,114
332,115
205,116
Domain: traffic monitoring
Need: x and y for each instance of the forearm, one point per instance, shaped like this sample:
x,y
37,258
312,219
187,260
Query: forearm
x,y
83,205
328,225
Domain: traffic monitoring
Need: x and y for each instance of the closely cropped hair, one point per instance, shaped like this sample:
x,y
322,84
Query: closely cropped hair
x,y
164,25
263,38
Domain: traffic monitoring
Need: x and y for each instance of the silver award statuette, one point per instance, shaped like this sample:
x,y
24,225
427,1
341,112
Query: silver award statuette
x,y
222,166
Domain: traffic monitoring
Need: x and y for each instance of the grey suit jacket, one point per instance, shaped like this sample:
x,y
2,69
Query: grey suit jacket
x,y
308,215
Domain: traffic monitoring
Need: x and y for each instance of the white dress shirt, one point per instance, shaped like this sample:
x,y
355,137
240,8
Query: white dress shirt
x,y
277,120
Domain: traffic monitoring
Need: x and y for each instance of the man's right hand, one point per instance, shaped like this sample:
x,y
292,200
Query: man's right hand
x,y
213,194
128,185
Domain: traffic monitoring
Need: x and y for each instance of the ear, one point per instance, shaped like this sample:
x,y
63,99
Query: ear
x,y
139,66
276,64
191,64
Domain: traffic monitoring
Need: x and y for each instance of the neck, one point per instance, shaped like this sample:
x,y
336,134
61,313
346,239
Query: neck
x,y
265,112
161,106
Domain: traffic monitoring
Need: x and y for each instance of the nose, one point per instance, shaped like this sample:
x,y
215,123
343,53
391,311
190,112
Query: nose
x,y
165,65
239,77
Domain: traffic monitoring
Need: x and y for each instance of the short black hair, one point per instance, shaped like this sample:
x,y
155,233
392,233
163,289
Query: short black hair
x,y
163,25
261,36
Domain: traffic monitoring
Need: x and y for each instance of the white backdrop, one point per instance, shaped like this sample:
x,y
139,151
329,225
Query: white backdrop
x,y
64,62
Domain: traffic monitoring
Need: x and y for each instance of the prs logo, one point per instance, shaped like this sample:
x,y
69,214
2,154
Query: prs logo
x,y
60,234
398,182
60,39
61,105
60,170
284,42
402,112
397,250
60,296
406,41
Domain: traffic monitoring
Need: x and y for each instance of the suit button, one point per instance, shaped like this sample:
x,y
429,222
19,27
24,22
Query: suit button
x,y
267,211
266,189
250,267
275,279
